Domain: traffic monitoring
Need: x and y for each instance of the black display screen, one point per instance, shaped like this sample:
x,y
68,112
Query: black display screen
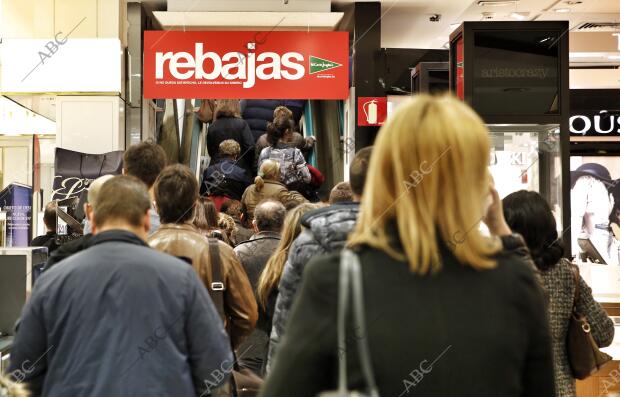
x,y
516,72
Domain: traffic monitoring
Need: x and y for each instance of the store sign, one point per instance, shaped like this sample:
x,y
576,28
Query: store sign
x,y
371,111
60,64
246,65
16,202
592,123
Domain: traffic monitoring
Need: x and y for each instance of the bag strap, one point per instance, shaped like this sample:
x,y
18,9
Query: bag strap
x,y
217,285
575,271
351,272
72,222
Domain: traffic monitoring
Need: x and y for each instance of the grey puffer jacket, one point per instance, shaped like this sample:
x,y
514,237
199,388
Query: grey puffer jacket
x,y
326,231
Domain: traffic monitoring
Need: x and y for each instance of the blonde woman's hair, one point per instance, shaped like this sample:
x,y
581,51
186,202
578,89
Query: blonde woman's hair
x,y
269,170
270,277
428,177
9,388
227,108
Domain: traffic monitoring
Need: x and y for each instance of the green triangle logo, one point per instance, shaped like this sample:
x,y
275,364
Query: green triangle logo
x,y
320,65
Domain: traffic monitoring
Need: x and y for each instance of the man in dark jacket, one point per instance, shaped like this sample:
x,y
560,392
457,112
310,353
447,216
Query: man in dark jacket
x,y
253,254
234,208
49,238
225,177
120,319
325,231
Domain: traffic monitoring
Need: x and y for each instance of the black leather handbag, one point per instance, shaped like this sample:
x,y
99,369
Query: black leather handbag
x,y
584,356
351,275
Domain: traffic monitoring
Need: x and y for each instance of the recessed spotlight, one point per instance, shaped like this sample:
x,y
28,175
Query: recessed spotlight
x,y
573,2
519,15
564,10
497,2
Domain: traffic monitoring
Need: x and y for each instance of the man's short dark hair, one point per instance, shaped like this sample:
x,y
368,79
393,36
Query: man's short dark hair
x,y
269,216
144,160
49,216
124,198
176,192
341,193
359,169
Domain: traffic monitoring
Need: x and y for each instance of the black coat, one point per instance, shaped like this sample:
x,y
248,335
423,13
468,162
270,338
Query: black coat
x,y
461,332
232,128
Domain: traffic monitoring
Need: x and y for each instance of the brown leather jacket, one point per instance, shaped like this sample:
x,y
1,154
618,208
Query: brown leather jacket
x,y
271,190
185,241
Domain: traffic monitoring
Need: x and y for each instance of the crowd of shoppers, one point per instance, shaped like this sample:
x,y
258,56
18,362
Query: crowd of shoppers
x,y
248,278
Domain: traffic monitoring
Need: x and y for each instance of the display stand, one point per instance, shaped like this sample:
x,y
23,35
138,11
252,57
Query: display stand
x,y
430,77
515,75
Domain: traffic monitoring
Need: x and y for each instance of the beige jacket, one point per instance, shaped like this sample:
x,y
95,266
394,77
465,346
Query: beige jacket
x,y
272,190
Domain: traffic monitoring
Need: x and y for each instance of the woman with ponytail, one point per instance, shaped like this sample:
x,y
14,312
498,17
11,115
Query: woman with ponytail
x,y
267,185
529,214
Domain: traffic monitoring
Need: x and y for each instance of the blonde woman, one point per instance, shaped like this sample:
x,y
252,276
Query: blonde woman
x,y
228,124
449,312
267,185
267,288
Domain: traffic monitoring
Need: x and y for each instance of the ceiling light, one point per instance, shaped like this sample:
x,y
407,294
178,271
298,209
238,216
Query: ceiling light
x,y
613,57
519,15
564,10
573,2
497,2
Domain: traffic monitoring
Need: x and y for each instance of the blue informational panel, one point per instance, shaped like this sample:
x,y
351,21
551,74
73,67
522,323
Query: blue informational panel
x,y
16,200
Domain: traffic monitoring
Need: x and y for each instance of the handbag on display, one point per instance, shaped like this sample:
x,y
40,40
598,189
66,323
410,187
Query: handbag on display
x,y
244,382
351,275
584,356
76,170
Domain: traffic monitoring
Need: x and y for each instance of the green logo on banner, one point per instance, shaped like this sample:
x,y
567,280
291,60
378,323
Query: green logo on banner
x,y
320,65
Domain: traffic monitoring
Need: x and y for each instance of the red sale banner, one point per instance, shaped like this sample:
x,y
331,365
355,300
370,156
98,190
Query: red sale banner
x,y
246,65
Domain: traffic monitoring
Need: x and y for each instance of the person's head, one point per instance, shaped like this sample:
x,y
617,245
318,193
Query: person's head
x,y
269,170
93,191
226,224
282,111
281,129
269,216
270,276
528,214
341,193
49,216
358,170
9,388
229,149
227,108
176,192
428,179
232,208
144,160
122,203
206,218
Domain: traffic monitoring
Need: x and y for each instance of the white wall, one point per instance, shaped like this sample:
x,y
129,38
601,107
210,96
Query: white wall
x,y
90,124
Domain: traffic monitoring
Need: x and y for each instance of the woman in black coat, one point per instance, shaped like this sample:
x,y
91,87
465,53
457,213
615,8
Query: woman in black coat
x,y
449,311
228,124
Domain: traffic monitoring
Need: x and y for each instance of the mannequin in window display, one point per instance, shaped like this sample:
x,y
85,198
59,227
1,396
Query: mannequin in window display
x,y
591,206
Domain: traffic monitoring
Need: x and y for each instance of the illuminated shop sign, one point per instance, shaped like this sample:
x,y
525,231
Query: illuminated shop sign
x,y
590,123
286,65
